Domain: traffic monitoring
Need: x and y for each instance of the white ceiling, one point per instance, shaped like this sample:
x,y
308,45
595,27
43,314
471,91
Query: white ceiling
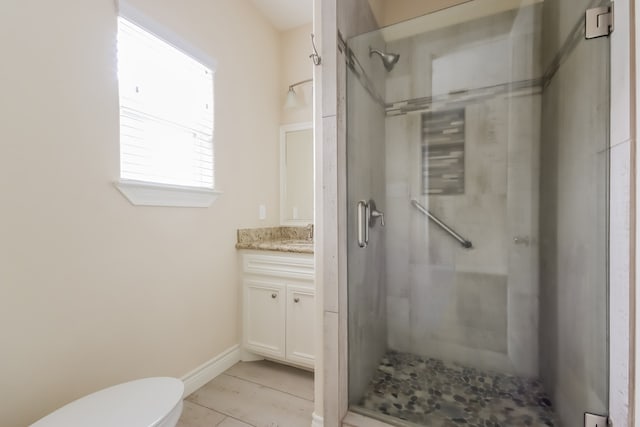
x,y
286,14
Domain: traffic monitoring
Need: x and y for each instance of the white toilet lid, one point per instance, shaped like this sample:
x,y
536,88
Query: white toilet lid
x,y
140,403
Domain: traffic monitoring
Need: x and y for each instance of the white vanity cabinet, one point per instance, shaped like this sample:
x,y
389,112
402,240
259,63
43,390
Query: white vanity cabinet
x,y
279,306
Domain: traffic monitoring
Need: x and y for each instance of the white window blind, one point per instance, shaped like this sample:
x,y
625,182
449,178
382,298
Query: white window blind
x,y
166,112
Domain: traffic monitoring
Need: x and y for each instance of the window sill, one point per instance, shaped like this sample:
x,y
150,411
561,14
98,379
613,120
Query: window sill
x,y
141,193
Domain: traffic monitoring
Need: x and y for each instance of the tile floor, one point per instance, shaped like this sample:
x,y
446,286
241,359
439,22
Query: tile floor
x,y
430,392
257,394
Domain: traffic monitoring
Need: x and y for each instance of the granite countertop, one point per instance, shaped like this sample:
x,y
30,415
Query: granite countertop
x,y
281,239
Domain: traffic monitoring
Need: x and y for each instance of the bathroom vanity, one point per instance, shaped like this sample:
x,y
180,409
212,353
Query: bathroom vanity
x,y
278,294
277,263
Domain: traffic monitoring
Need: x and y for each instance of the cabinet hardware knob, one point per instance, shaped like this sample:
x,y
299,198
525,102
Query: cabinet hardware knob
x,y
296,300
274,296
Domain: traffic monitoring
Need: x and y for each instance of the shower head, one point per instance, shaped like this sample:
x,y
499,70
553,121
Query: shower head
x,y
388,59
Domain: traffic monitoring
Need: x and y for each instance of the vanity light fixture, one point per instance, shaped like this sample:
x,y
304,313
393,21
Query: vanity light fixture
x,y
293,101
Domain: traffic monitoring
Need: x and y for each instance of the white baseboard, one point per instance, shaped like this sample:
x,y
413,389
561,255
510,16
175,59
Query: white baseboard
x,y
210,369
247,356
317,420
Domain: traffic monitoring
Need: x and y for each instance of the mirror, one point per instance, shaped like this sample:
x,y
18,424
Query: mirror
x,y
296,174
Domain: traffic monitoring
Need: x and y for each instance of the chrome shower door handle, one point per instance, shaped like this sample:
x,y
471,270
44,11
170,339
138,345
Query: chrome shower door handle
x,y
362,223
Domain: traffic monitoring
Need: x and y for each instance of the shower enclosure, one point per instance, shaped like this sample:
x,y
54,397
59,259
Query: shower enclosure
x,y
477,178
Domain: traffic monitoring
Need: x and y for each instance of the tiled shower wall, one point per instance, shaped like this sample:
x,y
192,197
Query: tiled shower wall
x,y
477,306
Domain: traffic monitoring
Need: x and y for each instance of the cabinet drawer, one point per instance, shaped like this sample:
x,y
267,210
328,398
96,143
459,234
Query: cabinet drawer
x,y
295,267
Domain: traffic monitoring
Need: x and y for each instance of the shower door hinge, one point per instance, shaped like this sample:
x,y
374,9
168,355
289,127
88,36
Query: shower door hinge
x,y
598,22
593,420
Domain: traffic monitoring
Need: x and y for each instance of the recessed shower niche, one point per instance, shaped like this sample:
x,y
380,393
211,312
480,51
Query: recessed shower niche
x,y
443,152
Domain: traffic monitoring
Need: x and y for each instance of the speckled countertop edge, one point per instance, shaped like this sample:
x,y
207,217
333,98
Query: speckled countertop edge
x,y
280,239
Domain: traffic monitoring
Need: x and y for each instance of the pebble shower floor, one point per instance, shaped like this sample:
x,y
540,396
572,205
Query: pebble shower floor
x,y
430,392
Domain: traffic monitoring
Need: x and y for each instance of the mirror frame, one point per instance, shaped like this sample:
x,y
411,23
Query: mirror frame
x,y
284,129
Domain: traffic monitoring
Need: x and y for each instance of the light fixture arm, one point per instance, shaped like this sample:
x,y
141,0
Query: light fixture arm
x,y
299,83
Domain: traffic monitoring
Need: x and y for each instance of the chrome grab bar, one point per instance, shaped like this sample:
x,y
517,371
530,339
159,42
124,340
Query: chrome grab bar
x,y
464,242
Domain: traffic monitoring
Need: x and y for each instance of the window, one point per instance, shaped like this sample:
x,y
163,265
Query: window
x,y
166,121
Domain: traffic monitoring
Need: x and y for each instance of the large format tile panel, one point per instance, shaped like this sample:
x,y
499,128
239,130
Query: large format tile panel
x,y
276,376
259,394
194,415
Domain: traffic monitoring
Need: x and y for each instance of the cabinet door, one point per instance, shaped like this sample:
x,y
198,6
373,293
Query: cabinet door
x,y
301,314
264,317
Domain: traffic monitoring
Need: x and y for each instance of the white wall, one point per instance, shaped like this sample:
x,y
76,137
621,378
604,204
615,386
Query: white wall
x,y
296,66
388,12
95,291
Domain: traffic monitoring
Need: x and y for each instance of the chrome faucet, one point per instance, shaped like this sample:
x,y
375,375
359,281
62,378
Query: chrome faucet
x,y
310,232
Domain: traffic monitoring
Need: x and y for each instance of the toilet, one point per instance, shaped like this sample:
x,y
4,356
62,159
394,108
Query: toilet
x,y
149,402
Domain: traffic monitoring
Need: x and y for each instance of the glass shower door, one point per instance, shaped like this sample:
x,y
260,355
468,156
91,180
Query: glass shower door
x,y
574,183
470,132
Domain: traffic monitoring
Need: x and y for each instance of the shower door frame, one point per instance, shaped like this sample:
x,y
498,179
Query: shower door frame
x,y
331,403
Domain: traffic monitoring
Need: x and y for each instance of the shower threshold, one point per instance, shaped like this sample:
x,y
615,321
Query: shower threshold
x,y
410,390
